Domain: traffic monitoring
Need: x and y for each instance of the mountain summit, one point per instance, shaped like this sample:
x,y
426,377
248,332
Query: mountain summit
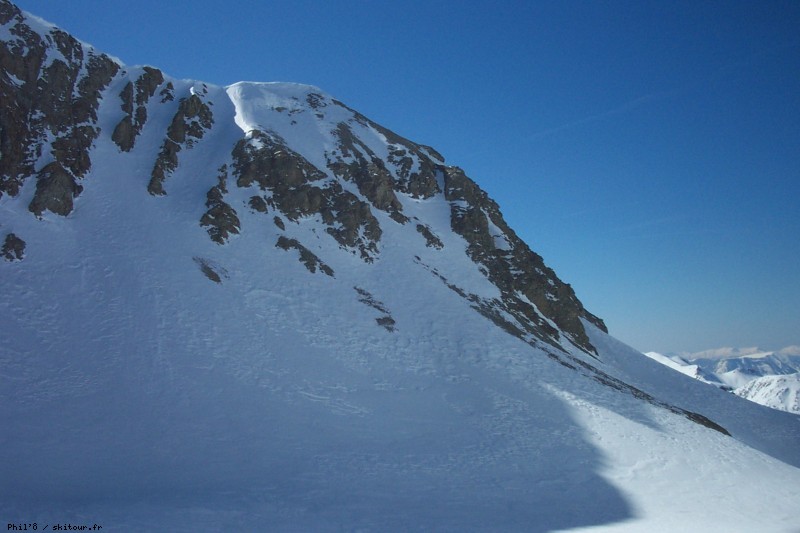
x,y
252,306
298,154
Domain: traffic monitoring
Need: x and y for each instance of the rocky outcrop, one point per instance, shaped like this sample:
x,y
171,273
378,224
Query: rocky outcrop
x,y
531,291
265,160
220,220
431,240
188,126
307,257
419,182
385,320
211,269
55,190
20,62
257,203
298,189
135,107
368,172
13,248
50,88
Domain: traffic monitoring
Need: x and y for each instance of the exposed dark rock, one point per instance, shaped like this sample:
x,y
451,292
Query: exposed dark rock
x,y
419,184
188,125
357,227
20,63
374,181
124,134
258,204
100,71
431,240
520,321
316,101
191,120
512,266
55,190
620,385
166,163
167,93
432,152
221,219
386,320
13,248
66,115
530,332
271,165
365,297
140,117
147,84
8,11
56,101
266,161
134,120
308,258
211,270
126,95
278,221
72,150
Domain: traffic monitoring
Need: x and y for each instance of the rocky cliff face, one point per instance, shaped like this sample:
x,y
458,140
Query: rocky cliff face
x,y
50,88
350,174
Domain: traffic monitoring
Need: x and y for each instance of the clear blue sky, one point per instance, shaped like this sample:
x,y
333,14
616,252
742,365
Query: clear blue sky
x,y
649,151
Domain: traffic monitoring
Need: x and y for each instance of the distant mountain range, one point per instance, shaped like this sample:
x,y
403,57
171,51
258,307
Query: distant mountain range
x,y
770,378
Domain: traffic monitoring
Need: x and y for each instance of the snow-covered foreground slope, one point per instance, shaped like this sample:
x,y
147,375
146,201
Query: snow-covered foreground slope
x,y
307,372
138,394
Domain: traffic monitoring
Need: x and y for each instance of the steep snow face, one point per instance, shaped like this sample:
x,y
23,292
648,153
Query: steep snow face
x,y
777,392
298,154
318,325
303,116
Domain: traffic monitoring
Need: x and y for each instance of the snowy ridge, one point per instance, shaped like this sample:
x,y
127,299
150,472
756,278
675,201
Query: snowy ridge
x,y
260,307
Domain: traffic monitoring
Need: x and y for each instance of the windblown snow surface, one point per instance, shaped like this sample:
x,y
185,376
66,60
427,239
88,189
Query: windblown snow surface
x,y
137,394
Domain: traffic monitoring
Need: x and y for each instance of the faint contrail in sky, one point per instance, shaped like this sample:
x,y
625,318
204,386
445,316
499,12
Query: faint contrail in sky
x,y
720,72
632,104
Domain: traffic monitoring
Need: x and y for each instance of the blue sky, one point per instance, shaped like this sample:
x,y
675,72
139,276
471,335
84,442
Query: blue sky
x,y
649,151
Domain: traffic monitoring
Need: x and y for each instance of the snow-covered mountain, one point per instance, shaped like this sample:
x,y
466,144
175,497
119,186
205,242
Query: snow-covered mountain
x,y
753,361
775,391
252,307
764,377
676,362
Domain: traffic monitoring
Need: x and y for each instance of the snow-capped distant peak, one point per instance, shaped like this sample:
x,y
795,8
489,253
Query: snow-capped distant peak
x,y
752,373
777,392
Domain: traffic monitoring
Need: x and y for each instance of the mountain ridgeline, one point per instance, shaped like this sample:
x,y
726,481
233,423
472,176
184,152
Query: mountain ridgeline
x,y
53,86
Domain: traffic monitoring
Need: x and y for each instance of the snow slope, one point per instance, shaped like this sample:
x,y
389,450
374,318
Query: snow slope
x,y
139,394
676,362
